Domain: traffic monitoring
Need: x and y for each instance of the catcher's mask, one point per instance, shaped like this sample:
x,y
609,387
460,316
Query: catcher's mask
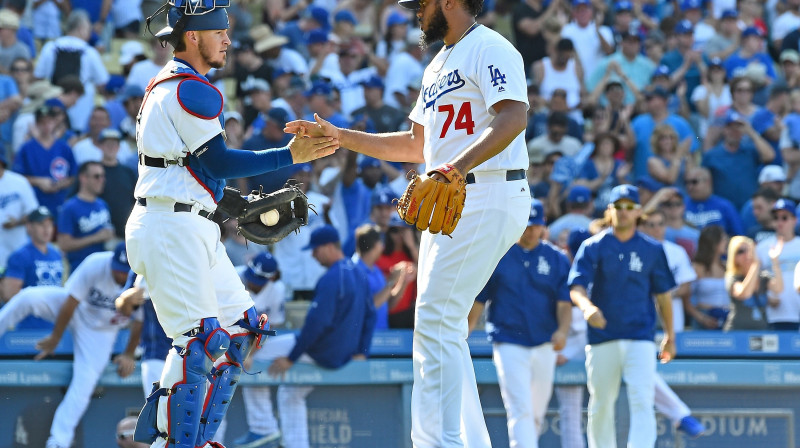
x,y
190,15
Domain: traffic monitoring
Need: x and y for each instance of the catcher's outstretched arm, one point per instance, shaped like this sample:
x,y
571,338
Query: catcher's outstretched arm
x,y
224,163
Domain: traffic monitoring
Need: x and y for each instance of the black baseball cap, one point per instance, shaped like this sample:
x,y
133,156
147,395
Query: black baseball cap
x,y
40,214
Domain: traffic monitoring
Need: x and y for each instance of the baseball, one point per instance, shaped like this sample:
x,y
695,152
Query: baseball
x,y
270,217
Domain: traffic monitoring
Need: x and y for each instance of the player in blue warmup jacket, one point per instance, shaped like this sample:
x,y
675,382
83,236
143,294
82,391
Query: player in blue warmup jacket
x,y
624,269
529,319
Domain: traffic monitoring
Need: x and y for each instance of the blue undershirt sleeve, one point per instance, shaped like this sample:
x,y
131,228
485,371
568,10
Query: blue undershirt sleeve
x,y
226,163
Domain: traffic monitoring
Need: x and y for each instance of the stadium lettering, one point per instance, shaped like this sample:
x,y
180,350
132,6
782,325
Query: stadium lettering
x,y
735,426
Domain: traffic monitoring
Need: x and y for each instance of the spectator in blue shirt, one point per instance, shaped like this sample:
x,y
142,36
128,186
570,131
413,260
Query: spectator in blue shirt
x,y
644,124
384,291
84,224
37,263
735,162
270,135
750,52
684,61
704,208
47,161
768,121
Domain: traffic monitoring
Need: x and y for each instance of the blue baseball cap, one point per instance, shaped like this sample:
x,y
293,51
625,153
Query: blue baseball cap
x,y
752,31
396,221
396,18
323,235
319,15
716,62
119,262
730,14
318,36
579,194
261,268
373,81
319,88
345,15
661,70
786,205
732,117
623,6
623,192
382,196
691,4
536,217
131,91
684,27
199,15
576,238
581,2
368,162
278,115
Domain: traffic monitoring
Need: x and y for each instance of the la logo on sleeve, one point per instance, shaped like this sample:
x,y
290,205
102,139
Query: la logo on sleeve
x,y
497,78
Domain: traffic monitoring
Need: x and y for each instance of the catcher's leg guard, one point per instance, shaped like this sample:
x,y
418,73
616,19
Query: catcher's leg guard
x,y
225,377
184,379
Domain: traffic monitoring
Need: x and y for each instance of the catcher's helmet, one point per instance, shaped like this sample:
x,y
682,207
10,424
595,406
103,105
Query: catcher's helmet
x,y
191,15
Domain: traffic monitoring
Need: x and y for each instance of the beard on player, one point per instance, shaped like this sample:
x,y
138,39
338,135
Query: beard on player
x,y
437,27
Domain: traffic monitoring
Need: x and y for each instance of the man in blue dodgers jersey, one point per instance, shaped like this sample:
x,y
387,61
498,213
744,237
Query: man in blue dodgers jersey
x,y
338,328
529,318
172,241
625,269
85,305
84,224
471,117
37,263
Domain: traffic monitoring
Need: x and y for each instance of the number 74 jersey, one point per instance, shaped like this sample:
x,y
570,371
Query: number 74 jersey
x,y
459,88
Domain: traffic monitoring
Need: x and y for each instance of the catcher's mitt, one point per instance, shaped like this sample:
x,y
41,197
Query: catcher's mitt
x,y
431,204
289,202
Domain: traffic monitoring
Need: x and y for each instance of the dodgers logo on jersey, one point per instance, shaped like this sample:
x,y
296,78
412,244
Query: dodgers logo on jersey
x,y
543,267
59,168
447,82
497,78
8,199
635,264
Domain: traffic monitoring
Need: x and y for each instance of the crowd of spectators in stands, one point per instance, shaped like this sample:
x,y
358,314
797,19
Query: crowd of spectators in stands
x,y
697,102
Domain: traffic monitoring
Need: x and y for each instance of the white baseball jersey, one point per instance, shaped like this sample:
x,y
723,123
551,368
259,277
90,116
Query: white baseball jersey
x,y
162,115
94,287
270,300
459,88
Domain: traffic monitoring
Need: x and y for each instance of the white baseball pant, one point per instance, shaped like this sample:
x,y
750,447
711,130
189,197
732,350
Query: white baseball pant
x,y
606,365
291,399
21,306
445,408
92,350
525,376
570,412
189,277
668,403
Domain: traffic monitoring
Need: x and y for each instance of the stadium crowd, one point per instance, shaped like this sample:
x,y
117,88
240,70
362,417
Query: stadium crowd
x,y
696,102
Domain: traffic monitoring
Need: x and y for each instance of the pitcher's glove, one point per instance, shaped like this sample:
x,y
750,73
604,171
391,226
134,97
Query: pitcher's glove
x,y
431,204
255,211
